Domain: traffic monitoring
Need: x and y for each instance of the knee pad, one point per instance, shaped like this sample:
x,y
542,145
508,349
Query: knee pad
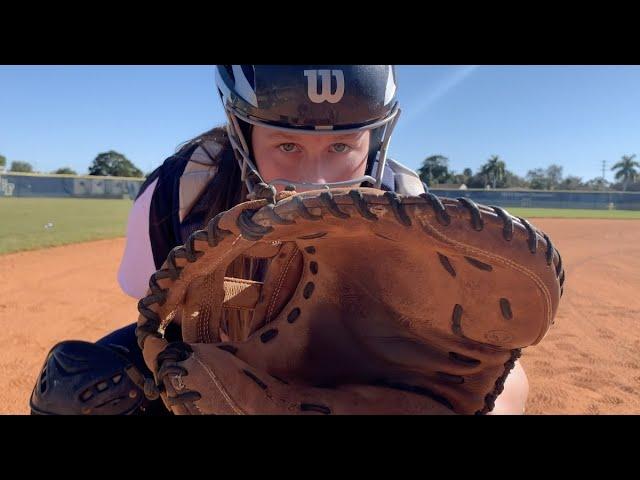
x,y
83,378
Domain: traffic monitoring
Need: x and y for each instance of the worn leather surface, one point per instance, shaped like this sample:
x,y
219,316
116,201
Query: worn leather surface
x,y
371,303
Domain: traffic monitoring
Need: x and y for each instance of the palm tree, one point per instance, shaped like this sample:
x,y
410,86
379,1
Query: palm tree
x,y
626,169
494,169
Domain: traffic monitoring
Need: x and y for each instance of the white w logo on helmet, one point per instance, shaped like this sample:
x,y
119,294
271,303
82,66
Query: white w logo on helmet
x,y
325,94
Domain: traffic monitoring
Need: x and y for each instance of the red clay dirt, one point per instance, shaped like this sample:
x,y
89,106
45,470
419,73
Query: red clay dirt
x,y
589,363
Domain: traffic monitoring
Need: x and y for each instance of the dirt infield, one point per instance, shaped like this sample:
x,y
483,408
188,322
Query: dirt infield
x,y
590,360
54,294
588,363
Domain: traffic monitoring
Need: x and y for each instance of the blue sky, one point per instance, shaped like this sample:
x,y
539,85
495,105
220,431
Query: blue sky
x,y
532,116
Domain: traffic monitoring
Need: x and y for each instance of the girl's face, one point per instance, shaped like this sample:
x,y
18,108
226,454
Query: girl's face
x,y
309,158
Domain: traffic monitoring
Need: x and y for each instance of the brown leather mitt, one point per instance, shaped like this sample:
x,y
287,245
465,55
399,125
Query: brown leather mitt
x,y
368,302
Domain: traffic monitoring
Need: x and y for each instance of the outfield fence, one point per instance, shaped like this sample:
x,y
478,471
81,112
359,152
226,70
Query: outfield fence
x,y
548,199
38,185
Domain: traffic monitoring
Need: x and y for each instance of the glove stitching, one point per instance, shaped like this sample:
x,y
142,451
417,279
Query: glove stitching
x,y
220,387
280,283
203,330
499,259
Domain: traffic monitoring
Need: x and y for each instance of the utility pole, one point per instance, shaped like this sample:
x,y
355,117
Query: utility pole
x,y
604,165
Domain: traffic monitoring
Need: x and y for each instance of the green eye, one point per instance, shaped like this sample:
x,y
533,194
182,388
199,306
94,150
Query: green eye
x,y
288,147
340,147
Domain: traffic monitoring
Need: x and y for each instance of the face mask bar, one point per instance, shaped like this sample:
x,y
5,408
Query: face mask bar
x,y
386,138
252,177
318,186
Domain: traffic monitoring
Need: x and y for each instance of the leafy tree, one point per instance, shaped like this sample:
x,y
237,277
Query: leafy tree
x,y
511,180
597,183
65,171
22,167
435,169
554,175
571,183
477,181
538,179
114,164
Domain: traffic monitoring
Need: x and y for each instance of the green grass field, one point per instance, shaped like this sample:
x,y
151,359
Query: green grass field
x,y
23,220
574,213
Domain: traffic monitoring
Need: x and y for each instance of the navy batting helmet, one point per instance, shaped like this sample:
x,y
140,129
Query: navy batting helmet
x,y
312,99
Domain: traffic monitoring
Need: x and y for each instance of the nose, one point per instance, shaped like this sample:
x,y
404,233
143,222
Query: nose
x,y
314,169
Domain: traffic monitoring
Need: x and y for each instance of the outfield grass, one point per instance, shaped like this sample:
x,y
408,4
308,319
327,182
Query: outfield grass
x,y
573,213
23,220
